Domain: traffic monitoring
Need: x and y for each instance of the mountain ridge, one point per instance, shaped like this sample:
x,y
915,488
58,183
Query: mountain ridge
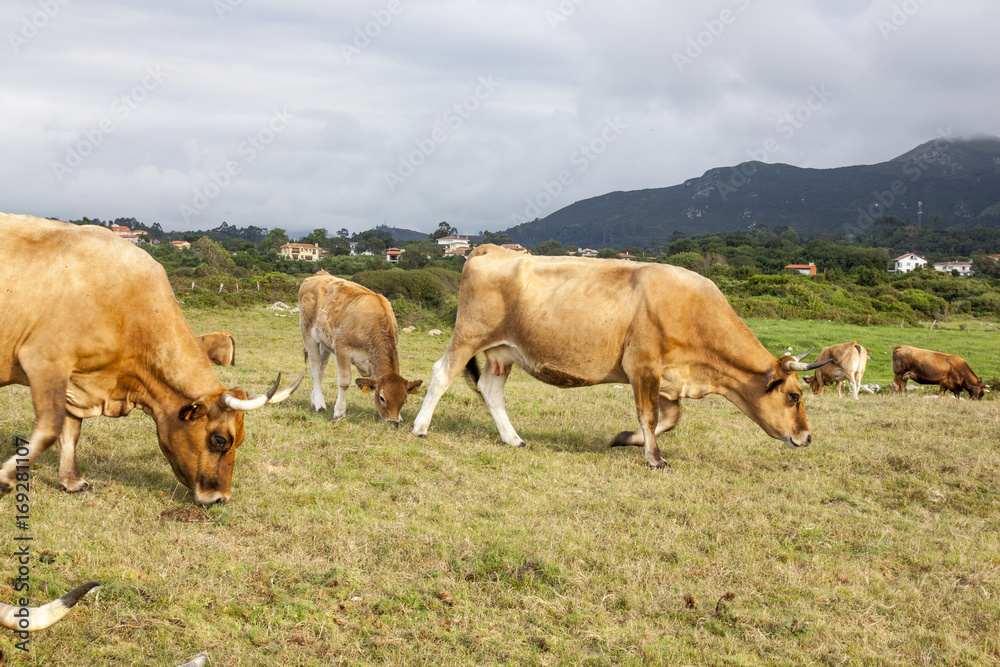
x,y
955,179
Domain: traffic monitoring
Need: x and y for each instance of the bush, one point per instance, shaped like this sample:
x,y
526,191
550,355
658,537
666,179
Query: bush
x,y
420,285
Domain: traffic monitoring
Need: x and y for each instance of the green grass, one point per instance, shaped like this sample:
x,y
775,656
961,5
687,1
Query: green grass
x,y
349,542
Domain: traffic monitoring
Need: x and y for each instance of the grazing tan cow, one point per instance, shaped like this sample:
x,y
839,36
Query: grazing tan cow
x,y
575,322
32,619
849,361
949,372
220,346
358,327
89,322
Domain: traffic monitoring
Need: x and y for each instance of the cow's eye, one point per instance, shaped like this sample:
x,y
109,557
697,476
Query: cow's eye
x,y
219,444
381,398
794,398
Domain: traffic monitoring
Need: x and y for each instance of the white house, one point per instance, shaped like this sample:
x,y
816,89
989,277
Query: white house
x,y
454,242
393,255
908,262
963,268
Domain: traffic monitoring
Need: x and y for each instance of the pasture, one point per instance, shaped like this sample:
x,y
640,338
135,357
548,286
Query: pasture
x,y
350,542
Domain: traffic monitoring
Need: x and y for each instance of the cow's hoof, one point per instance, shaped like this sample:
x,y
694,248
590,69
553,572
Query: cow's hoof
x,y
75,487
4,489
520,443
660,465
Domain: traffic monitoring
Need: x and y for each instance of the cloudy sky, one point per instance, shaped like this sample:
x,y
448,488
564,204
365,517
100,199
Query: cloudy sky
x,y
302,114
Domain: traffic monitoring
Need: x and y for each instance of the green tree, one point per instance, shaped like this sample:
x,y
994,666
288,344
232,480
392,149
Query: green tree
x,y
212,253
548,248
273,241
607,253
444,229
497,238
317,237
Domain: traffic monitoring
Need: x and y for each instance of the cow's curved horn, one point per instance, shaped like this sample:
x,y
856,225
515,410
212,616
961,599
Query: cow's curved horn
x,y
285,393
253,403
804,354
792,365
44,616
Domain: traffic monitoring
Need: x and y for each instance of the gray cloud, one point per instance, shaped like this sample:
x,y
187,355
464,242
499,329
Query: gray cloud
x,y
148,106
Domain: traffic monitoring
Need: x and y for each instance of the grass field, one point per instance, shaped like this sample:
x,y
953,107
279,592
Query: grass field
x,y
349,542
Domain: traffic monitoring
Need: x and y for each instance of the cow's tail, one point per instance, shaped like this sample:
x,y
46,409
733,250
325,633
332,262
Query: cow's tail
x,y
31,620
232,359
472,368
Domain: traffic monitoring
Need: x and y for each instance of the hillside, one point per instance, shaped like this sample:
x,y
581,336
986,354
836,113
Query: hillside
x,y
957,181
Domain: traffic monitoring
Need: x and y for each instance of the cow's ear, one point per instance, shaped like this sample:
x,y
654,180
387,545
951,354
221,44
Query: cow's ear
x,y
411,386
772,382
367,385
196,410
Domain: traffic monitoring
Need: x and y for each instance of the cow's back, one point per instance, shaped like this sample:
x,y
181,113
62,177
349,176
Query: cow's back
x,y
79,289
336,312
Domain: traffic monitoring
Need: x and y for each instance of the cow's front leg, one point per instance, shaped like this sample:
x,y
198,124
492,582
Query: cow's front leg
x,y
343,383
454,360
491,384
670,414
69,472
647,390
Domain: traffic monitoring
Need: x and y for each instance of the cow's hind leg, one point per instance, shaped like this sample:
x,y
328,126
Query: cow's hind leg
x,y
491,384
49,398
69,471
443,373
670,414
317,356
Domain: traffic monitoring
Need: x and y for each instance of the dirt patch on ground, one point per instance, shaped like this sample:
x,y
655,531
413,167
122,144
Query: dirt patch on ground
x,y
185,514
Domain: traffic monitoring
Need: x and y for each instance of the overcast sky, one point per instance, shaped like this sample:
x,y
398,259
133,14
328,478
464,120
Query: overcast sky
x,y
303,114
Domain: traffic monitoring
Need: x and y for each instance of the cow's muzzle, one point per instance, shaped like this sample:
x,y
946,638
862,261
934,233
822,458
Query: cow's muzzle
x,y
207,498
790,441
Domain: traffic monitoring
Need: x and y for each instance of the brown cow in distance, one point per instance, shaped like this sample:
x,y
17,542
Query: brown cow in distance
x,y
949,372
220,346
576,322
358,327
849,361
90,323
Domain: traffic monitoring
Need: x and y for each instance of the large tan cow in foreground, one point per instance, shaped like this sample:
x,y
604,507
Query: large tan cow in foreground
x,y
32,619
574,322
848,362
220,346
949,372
358,327
90,323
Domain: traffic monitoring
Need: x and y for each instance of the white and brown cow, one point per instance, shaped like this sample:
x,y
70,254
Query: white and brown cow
x,y
574,322
90,323
848,363
220,346
358,327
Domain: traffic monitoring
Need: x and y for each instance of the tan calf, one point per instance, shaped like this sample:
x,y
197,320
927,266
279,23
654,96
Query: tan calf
x,y
358,327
